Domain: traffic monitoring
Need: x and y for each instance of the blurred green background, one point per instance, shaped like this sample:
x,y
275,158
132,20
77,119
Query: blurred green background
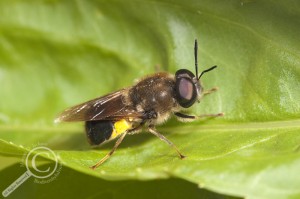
x,y
57,53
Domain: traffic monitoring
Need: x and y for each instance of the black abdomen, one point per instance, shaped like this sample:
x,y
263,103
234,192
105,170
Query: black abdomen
x,y
98,131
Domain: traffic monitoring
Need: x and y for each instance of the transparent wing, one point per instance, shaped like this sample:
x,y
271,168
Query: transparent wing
x,y
108,107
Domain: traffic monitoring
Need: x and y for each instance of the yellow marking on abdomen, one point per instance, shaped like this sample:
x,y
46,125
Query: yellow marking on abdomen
x,y
120,127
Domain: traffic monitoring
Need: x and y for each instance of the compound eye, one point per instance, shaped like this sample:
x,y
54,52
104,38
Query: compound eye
x,y
186,89
186,92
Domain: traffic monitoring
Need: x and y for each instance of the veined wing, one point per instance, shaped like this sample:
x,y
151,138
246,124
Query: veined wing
x,y
108,107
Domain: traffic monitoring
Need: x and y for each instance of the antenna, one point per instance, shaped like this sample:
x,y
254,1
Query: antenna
x,y
196,62
207,70
196,57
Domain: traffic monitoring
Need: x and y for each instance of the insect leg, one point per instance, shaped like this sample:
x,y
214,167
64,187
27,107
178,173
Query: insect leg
x,y
190,118
210,115
212,90
152,130
184,116
118,142
136,130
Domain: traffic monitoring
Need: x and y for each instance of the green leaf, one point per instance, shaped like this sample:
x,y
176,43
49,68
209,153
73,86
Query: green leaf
x,y
55,54
98,188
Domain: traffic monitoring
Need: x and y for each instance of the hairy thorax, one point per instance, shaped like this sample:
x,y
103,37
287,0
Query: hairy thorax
x,y
155,95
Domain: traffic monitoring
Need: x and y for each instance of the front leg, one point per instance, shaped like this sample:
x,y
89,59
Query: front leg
x,y
190,118
212,90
